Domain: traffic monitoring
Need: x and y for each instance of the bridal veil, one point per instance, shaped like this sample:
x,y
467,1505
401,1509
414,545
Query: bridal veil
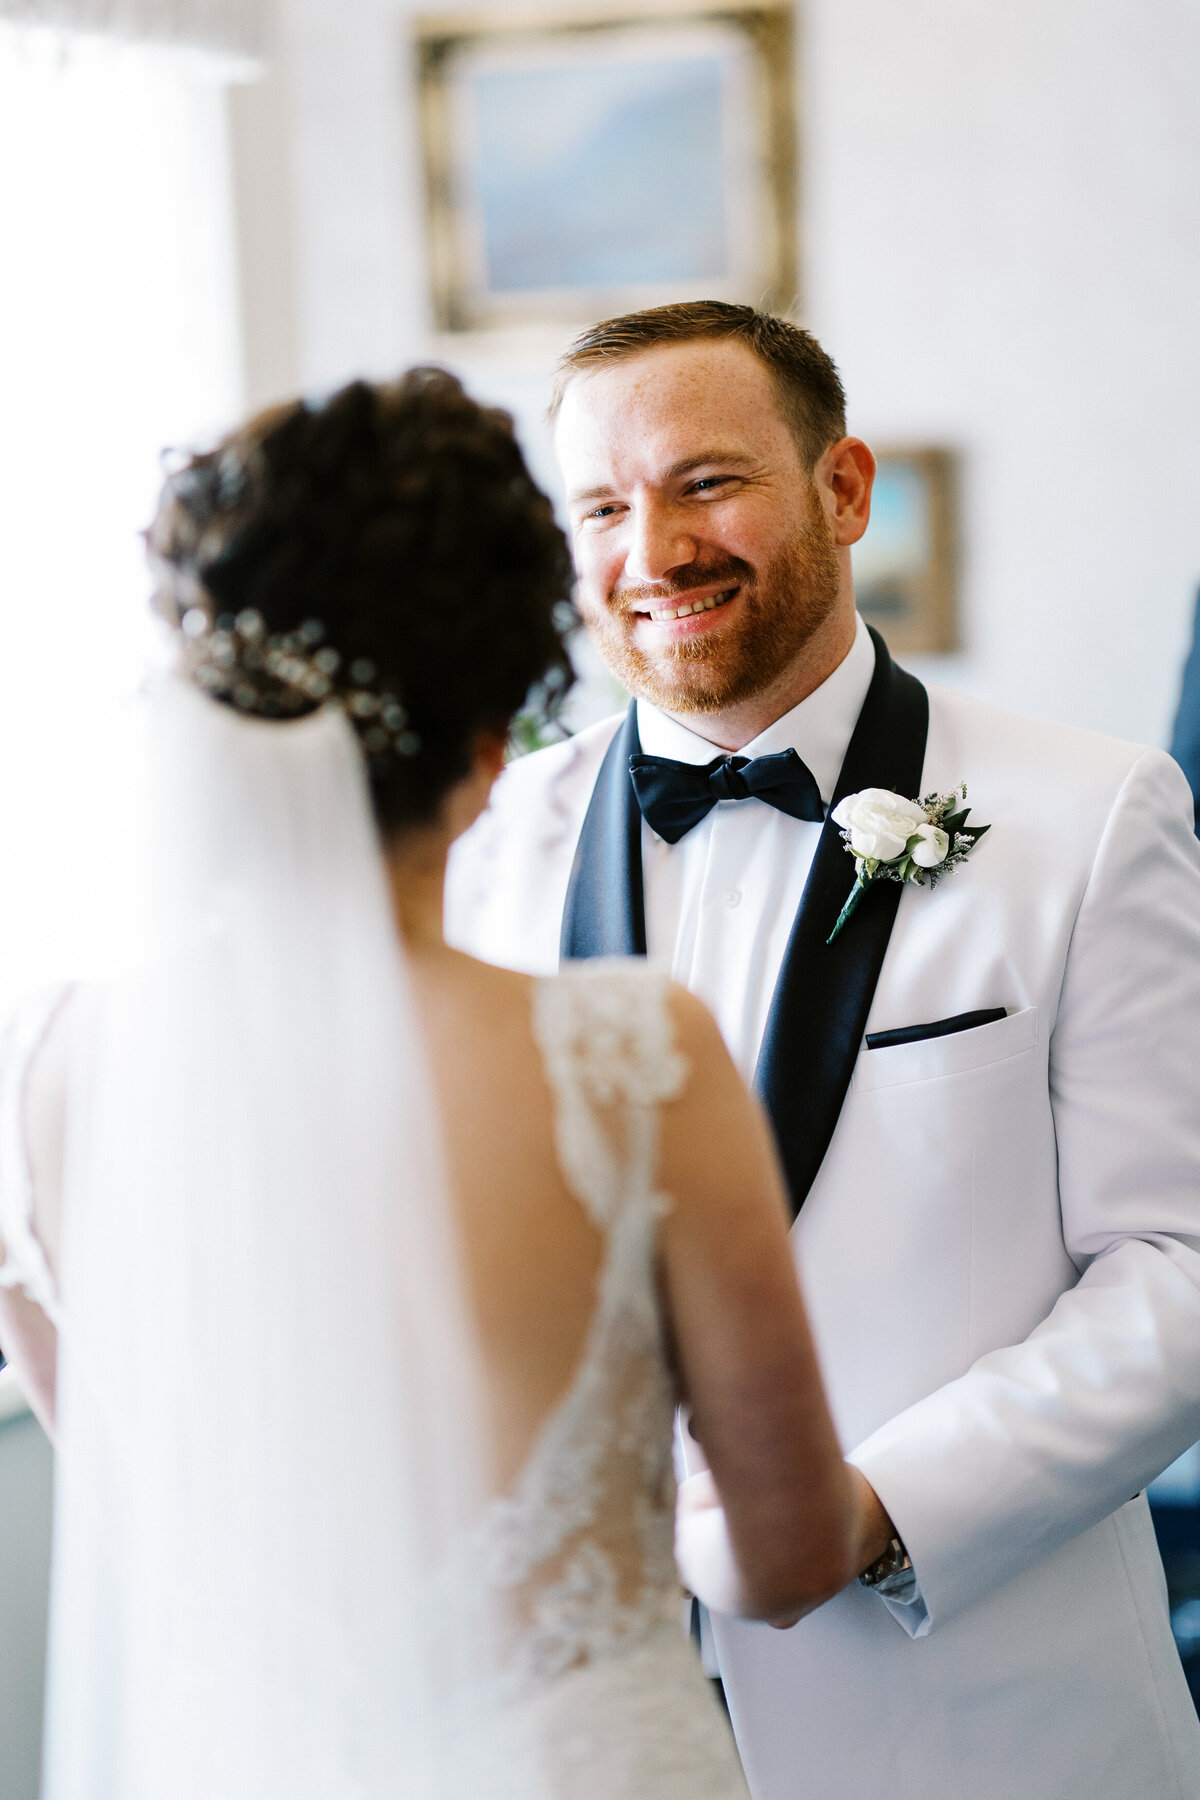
x,y
270,1420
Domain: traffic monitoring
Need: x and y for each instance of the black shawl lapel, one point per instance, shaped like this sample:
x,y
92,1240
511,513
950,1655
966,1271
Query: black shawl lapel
x,y
819,1009
605,911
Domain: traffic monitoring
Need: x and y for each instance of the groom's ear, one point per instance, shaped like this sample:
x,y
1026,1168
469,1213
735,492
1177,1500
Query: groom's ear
x,y
844,476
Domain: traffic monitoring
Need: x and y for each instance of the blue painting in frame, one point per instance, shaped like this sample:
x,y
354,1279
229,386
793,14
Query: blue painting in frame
x,y
588,165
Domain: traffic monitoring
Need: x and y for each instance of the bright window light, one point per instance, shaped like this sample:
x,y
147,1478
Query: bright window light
x,y
117,339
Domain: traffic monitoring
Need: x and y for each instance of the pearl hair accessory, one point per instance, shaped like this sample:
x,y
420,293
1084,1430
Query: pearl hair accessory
x,y
284,675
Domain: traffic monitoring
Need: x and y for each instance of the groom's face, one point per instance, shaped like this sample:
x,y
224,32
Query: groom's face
x,y
704,555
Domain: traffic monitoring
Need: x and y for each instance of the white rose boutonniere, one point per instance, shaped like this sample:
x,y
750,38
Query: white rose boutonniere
x,y
894,839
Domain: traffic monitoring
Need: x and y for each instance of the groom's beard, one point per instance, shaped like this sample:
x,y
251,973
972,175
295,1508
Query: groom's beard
x,y
779,608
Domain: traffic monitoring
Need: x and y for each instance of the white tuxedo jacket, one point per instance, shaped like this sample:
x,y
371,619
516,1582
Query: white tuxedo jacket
x,y
1001,1259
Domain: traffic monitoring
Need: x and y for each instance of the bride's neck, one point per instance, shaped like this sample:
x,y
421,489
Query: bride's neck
x,y
416,857
416,868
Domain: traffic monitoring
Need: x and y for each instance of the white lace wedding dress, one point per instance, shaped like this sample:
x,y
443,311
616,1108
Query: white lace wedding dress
x,y
602,1694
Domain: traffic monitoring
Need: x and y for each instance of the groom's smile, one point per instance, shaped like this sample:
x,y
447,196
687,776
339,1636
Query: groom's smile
x,y
704,547
666,615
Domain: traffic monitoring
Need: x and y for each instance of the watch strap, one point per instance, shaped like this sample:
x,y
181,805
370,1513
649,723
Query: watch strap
x,y
892,1572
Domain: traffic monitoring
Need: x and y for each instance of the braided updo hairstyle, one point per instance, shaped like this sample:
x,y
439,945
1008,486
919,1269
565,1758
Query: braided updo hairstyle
x,y
401,519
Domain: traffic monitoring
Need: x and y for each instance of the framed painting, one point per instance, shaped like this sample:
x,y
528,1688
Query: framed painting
x,y
580,164
906,563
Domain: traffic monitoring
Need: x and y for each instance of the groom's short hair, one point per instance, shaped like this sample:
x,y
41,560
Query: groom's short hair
x,y
812,400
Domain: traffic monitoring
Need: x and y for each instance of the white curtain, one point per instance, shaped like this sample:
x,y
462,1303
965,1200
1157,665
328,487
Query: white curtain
x,y
118,337
232,28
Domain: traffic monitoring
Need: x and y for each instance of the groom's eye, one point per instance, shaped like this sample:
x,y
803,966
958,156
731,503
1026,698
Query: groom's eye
x,y
707,483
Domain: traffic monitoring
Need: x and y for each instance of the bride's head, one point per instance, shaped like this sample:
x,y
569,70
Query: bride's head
x,y
385,550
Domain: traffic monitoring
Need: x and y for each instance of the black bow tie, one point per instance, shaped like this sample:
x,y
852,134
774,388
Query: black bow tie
x,y
674,796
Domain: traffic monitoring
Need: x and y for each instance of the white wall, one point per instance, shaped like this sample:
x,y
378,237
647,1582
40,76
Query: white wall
x,y
1002,250
1004,253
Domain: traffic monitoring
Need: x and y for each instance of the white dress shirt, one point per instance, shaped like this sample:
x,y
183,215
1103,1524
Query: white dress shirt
x,y
720,903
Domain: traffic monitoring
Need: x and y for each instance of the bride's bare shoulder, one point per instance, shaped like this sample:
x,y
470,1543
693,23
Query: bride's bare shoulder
x,y
692,1030
476,1014
486,984
718,1157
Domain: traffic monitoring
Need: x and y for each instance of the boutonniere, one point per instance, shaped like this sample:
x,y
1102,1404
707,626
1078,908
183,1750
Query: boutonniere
x,y
894,839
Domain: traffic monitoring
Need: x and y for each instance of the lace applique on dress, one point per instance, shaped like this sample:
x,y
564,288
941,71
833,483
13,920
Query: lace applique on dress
x,y
25,1264
580,1551
605,1035
583,1542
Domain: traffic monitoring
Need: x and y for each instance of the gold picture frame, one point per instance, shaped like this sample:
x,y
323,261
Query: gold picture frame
x,y
906,565
581,163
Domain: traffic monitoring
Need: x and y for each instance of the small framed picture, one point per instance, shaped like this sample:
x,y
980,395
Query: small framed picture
x,y
906,563
581,164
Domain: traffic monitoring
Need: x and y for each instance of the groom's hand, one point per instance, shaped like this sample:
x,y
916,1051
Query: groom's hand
x,y
703,1553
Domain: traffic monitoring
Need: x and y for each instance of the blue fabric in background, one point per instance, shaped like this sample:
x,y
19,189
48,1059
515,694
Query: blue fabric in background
x,y
1185,740
1175,1496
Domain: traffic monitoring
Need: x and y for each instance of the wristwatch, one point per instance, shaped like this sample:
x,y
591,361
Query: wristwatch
x,y
893,1575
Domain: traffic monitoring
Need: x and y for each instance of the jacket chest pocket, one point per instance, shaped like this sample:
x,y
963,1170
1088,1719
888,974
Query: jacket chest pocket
x,y
959,1133
957,1053
943,1164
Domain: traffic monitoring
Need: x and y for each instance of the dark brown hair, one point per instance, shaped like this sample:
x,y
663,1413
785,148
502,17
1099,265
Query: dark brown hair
x,y
811,397
402,517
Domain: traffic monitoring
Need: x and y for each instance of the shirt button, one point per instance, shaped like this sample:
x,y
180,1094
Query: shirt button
x,y
732,897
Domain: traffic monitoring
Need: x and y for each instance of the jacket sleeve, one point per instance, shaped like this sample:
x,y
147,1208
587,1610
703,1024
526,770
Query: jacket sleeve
x,y
1044,1438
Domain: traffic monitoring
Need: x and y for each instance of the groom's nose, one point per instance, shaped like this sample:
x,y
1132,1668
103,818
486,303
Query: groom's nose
x,y
658,542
